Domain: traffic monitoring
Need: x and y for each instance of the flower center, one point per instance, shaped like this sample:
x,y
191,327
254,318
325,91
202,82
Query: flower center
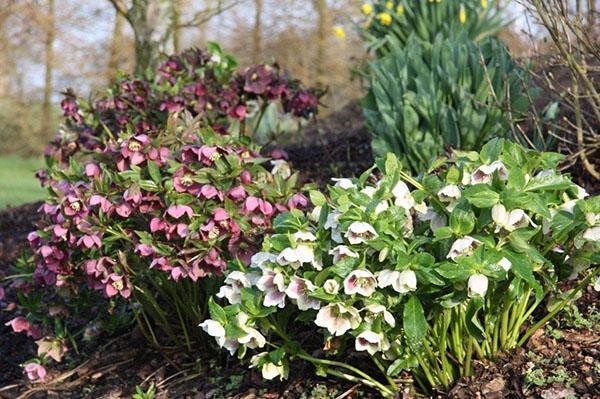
x,y
254,77
214,156
134,145
186,180
118,285
213,233
76,206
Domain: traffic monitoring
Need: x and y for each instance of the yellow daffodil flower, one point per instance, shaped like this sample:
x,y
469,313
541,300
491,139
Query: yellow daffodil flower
x,y
389,5
367,9
484,4
339,32
400,9
462,15
384,18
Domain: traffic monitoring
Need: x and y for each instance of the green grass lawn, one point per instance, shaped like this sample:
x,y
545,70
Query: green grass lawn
x,y
18,184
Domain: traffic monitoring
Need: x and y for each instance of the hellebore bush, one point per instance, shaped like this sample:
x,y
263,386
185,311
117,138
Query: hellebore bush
x,y
202,82
144,217
390,24
452,93
149,196
424,280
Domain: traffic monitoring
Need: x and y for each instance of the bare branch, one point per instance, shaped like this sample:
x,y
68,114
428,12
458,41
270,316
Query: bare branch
x,y
202,17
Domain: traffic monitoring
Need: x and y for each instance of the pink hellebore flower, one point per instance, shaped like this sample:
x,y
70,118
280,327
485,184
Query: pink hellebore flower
x,y
213,258
115,284
177,211
237,193
298,201
159,155
52,349
157,224
208,155
144,250
183,182
35,372
19,324
90,240
102,201
209,192
92,170
360,282
133,149
246,177
124,210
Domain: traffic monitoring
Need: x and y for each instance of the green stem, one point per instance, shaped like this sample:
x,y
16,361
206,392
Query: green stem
x,y
383,370
558,308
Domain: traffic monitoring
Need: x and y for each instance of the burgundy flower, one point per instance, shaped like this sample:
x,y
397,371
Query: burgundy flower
x,y
133,149
246,177
298,201
257,79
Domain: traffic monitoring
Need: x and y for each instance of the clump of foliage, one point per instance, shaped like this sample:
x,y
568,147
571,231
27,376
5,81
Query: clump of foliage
x,y
390,24
424,280
454,93
149,197
202,82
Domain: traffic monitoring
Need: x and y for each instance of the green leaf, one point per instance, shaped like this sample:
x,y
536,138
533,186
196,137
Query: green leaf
x,y
462,219
491,150
317,198
546,183
415,323
481,196
154,172
473,324
216,312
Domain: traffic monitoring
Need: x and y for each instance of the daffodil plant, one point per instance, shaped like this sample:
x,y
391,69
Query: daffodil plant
x,y
388,22
421,276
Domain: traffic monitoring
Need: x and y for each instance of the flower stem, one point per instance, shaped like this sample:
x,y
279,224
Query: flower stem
x,y
558,308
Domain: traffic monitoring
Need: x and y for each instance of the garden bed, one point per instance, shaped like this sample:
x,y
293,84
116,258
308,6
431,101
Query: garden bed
x,y
559,362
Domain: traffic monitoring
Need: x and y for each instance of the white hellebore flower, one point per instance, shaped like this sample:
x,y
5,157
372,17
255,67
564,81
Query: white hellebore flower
x,y
216,330
253,338
463,246
509,221
505,264
235,281
342,252
404,198
436,220
273,285
331,286
401,282
592,234
360,282
305,236
477,285
344,183
259,259
295,257
281,167
449,193
371,342
333,224
338,319
484,174
360,232
376,310
269,370
299,289
597,285
315,214
370,191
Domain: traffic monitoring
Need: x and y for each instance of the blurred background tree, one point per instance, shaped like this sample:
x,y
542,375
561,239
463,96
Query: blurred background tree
x,y
47,46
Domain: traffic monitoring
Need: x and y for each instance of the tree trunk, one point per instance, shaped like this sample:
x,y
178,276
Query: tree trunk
x,y
176,29
115,49
322,12
257,32
46,122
